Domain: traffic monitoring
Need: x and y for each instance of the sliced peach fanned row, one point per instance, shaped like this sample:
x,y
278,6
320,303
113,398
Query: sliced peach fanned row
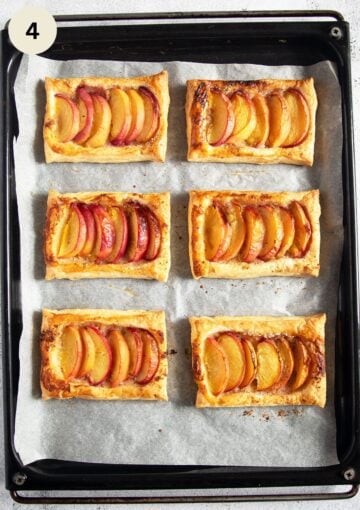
x,y
96,117
280,118
234,361
110,357
249,233
118,234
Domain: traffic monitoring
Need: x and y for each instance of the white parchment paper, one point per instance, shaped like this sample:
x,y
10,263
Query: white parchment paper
x,y
173,432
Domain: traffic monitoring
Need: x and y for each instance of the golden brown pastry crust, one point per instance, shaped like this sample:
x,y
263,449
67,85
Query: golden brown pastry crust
x,y
310,328
75,268
285,266
197,110
153,150
51,381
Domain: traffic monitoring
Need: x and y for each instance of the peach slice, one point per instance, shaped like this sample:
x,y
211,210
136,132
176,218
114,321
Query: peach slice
x,y
274,232
71,352
255,232
120,107
133,339
138,233
89,352
222,118
105,233
289,231
279,119
154,236
238,231
90,230
103,357
74,234
300,118
236,358
260,134
86,109
152,115
67,118
101,124
121,358
250,362
287,357
92,89
302,363
121,234
245,117
303,231
218,232
269,365
150,358
216,365
137,116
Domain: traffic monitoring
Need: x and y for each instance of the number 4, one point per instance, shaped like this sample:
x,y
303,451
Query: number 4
x,y
32,30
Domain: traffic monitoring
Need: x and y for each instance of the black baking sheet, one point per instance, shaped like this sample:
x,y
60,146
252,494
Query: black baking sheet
x,y
267,43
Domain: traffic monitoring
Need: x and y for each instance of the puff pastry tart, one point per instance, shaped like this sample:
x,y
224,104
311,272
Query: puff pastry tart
x,y
107,235
106,120
259,361
103,354
246,234
264,121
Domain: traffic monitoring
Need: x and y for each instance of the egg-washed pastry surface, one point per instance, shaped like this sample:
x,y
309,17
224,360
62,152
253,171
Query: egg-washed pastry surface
x,y
246,234
259,361
263,121
107,235
103,354
106,120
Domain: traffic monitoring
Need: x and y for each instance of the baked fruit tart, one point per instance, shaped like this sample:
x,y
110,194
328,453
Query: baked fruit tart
x,y
103,354
259,361
263,121
107,235
106,120
246,234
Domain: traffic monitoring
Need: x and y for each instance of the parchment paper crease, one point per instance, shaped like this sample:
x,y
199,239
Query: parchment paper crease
x,y
173,432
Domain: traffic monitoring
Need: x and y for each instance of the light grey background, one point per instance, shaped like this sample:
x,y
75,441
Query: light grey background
x,y
349,9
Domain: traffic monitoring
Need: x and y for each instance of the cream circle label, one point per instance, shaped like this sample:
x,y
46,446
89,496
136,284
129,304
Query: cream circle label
x,y
32,30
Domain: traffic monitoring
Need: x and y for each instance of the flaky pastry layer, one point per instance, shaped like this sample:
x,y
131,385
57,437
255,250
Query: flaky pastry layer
x,y
152,150
76,267
310,328
197,112
284,266
51,380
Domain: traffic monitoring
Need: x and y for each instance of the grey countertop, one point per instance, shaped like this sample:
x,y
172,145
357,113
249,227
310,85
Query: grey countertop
x,y
350,10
